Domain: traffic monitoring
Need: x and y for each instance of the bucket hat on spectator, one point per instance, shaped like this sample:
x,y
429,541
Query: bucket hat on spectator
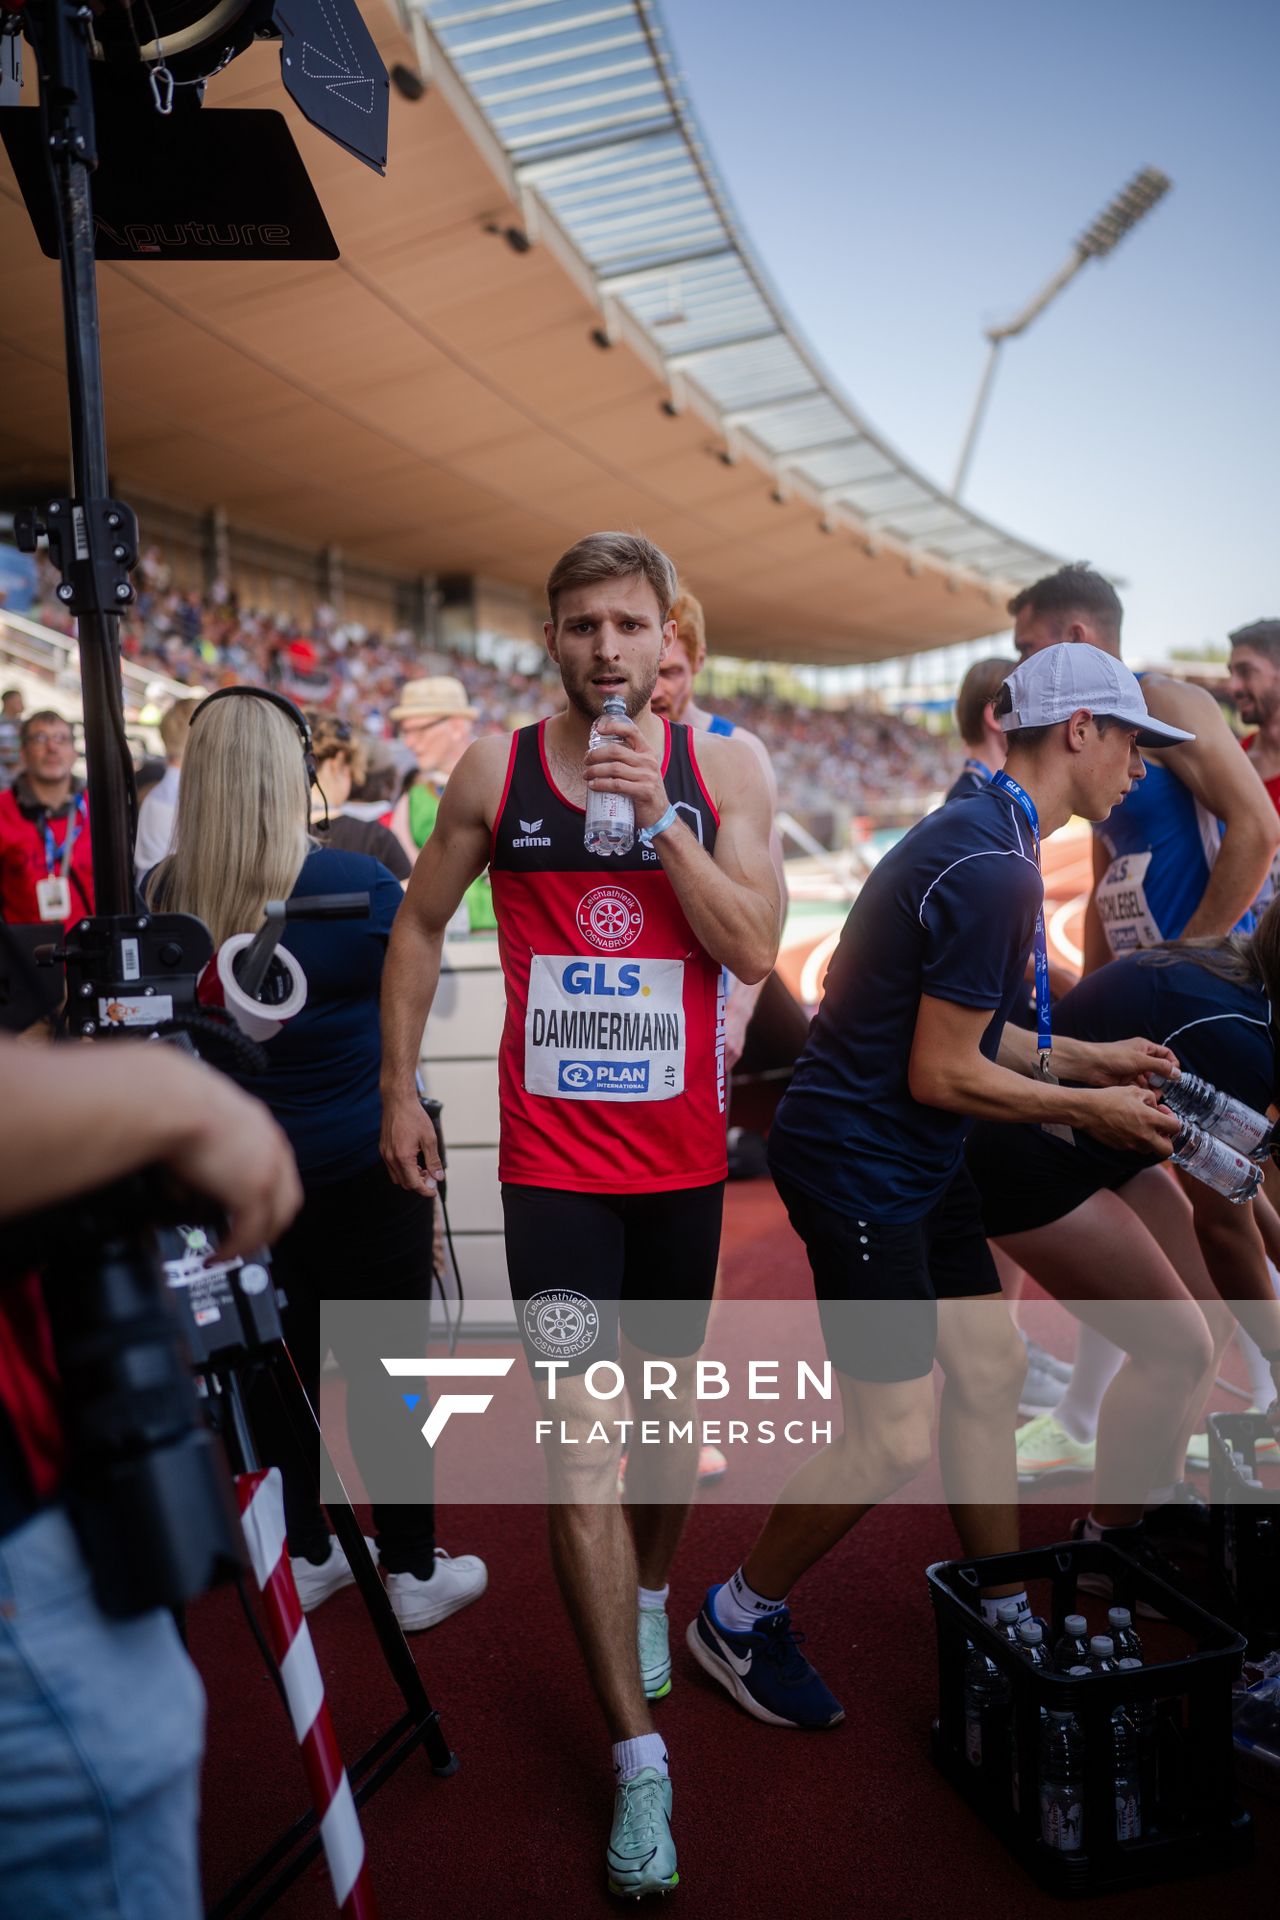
x,y
433,699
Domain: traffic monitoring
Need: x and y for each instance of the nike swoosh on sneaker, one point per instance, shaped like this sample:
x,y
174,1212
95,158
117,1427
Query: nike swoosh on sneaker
x,y
740,1663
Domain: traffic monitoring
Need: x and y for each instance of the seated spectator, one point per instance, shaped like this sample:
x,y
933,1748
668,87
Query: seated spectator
x,y
341,765
46,861
156,814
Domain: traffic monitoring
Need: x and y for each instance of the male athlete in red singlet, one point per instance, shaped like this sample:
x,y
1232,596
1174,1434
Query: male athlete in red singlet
x,y
611,1077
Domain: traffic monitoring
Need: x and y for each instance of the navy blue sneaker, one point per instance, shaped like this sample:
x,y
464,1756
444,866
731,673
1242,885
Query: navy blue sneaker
x,y
764,1669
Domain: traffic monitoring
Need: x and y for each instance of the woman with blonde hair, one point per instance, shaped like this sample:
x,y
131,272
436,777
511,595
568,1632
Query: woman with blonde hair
x,y
242,838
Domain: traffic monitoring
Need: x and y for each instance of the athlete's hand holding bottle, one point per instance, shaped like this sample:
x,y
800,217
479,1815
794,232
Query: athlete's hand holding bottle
x,y
621,761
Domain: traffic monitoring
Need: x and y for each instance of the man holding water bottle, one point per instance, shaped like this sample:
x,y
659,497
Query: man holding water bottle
x,y
615,922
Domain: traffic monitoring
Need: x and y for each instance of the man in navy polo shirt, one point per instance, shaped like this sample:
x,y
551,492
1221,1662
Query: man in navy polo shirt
x,y
908,1047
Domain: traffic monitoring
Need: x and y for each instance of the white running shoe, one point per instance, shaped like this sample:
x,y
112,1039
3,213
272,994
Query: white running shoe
x,y
420,1604
318,1583
1045,1447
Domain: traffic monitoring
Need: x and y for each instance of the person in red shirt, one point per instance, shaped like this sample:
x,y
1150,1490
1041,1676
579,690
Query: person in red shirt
x,y
46,859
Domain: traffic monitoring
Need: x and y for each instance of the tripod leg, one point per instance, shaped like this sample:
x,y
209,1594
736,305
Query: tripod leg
x,y
395,1649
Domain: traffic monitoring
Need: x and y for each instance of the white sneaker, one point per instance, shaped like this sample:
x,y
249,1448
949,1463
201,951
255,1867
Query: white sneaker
x,y
420,1604
316,1584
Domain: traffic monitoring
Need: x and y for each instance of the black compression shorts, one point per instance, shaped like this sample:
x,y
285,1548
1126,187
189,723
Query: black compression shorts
x,y
583,1266
1027,1178
879,1285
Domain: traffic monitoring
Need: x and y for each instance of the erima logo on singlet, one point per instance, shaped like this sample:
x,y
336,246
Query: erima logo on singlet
x,y
531,835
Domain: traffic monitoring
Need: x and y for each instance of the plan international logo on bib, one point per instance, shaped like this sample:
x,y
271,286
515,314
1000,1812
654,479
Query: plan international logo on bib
x,y
604,1077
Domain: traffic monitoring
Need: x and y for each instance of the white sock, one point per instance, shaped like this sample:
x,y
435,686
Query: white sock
x,y
991,1607
652,1599
1098,1362
646,1750
739,1607
1261,1385
1158,1497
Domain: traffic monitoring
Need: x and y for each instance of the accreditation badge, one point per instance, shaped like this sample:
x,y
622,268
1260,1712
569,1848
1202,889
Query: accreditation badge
x,y
53,897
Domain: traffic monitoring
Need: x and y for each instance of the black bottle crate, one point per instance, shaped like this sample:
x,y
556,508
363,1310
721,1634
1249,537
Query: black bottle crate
x,y
1192,1823
1244,1530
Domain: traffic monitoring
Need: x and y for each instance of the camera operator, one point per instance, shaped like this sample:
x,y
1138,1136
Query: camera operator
x,y
242,839
101,1720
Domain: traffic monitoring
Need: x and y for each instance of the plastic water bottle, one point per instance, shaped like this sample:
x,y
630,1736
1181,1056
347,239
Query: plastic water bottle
x,y
1061,1782
986,1707
1034,1651
1123,1632
1072,1647
1008,1616
1221,1114
1126,1769
1224,1168
1102,1653
611,817
1142,1717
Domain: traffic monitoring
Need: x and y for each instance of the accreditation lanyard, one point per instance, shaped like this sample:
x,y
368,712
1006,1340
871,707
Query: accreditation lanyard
x,y
68,846
1044,1023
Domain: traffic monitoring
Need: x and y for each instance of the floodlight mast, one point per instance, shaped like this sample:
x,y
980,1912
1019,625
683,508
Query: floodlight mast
x,y
1130,205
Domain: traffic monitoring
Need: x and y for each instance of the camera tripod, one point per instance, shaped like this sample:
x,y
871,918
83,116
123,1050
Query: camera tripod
x,y
249,1345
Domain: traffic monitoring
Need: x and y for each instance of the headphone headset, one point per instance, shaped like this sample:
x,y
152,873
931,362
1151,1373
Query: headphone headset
x,y
296,714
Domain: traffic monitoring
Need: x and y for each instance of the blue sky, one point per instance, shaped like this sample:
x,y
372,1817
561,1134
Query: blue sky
x,y
909,173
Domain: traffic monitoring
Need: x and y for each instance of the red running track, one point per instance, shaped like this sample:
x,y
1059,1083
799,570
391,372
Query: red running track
x,y
767,1822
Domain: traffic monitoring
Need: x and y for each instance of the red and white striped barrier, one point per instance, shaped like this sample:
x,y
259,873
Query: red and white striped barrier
x,y
261,1499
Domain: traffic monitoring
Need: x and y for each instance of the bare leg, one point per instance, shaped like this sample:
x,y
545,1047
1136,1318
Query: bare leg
x,y
660,1479
984,1362
594,1560
886,1441
1081,1260
1012,1279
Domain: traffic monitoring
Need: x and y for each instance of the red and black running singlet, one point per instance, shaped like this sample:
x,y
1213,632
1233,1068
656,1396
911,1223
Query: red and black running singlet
x,y
611,1073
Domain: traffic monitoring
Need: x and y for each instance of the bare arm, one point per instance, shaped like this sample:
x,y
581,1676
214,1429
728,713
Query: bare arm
x,y
741,1004
948,1069
1225,782
1091,1063
1234,1254
732,901
128,1105
456,852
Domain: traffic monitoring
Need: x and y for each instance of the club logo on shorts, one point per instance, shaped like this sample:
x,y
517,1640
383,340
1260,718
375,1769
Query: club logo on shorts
x,y
611,918
561,1324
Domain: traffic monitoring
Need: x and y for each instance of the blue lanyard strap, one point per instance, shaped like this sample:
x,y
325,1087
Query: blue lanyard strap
x,y
68,845
1044,1019
979,767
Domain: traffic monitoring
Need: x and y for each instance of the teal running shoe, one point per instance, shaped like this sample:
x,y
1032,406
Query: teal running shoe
x,y
655,1652
642,1854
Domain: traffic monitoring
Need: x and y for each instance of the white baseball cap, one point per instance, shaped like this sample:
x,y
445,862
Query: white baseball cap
x,y
1058,681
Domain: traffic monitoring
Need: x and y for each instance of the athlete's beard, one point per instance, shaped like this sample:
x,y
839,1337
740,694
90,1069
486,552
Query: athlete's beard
x,y
589,700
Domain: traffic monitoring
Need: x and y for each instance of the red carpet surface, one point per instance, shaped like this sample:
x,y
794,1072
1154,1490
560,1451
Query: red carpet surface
x,y
766,1820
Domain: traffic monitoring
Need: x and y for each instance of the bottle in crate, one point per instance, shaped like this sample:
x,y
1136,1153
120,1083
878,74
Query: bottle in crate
x,y
986,1708
1123,1632
1061,1782
1033,1650
1072,1646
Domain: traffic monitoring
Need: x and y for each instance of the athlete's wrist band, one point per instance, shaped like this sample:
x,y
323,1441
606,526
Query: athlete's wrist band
x,y
668,819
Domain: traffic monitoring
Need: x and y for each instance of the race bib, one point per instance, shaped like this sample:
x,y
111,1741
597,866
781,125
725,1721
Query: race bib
x,y
1127,920
599,1029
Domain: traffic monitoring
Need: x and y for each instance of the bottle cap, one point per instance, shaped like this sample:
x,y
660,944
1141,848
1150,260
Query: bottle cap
x,y
1102,1646
1062,1715
1128,1662
1120,1617
1076,1625
1007,1612
1031,1633
1077,1673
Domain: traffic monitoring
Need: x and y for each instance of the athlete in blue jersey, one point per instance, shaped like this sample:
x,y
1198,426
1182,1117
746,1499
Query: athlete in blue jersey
x,y
1164,869
867,1149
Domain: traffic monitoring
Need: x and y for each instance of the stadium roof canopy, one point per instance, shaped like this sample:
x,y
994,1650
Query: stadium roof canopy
x,y
545,320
